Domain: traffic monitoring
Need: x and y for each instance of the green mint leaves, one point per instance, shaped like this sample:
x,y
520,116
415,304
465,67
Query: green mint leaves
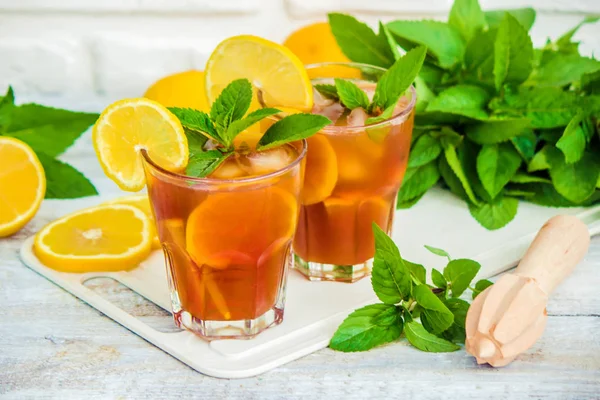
x,y
497,120
49,132
228,118
351,95
406,298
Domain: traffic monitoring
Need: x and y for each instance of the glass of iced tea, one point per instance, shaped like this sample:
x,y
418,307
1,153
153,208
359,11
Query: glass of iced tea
x,y
227,239
353,173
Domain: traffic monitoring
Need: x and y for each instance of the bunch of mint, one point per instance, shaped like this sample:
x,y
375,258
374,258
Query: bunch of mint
x,y
390,87
49,132
406,298
228,118
496,120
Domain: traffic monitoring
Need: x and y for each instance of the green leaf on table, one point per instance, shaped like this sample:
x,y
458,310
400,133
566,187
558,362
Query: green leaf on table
x,y
291,128
545,194
47,130
438,279
351,95
401,205
466,100
421,179
525,143
240,125
202,164
563,70
358,41
480,286
425,150
390,276
577,181
425,341
496,130
197,121
459,274
456,167
496,165
513,53
479,60
438,252
467,17
398,78
573,140
496,214
442,40
437,315
456,332
525,16
232,104
451,180
63,181
368,327
328,91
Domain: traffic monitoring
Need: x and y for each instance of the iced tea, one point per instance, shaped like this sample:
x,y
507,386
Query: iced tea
x,y
227,239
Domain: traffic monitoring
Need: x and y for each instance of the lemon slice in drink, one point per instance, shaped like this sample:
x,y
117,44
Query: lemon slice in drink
x,y
273,70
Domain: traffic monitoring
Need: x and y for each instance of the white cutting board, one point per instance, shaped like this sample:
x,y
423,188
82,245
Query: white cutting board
x,y
314,309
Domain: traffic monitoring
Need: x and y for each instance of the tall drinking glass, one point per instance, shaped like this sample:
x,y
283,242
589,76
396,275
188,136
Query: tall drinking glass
x,y
353,173
227,244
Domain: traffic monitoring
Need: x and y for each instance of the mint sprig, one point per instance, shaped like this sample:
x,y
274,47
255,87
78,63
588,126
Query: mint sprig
x,y
227,119
431,317
509,104
49,132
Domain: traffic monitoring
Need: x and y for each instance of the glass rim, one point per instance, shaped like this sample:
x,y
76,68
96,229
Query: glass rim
x,y
332,129
215,181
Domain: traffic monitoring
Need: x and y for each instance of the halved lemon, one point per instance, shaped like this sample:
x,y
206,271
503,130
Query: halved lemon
x,y
103,238
271,68
128,126
183,89
321,173
142,202
22,185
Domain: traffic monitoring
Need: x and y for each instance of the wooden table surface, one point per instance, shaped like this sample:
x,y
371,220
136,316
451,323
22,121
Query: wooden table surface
x,y
53,345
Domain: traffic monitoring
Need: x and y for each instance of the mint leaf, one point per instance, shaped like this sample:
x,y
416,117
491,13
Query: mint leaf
x,y
480,286
351,95
479,60
442,40
456,167
47,130
573,140
496,165
547,196
437,315
525,143
232,104
590,82
384,116
466,100
513,53
398,78
390,276
520,177
401,205
565,44
525,16
575,182
438,279
7,103
236,127
540,160
197,121
467,17
563,70
202,164
63,181
328,91
358,41
417,271
419,182
368,327
459,308
459,274
496,130
424,94
425,341
291,128
438,252
496,214
424,150
386,35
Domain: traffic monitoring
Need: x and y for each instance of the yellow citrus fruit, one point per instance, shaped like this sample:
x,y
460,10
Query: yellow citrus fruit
x,y
128,126
22,185
314,44
271,68
142,202
103,238
184,89
321,171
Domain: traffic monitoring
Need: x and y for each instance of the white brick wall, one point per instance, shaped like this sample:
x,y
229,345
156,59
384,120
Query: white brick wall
x,y
91,52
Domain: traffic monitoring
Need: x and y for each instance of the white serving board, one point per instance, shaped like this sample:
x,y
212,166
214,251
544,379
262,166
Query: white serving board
x,y
314,309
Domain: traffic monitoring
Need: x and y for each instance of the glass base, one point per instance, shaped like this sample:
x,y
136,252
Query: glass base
x,y
330,272
242,329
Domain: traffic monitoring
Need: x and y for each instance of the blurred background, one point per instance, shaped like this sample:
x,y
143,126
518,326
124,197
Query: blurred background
x,y
83,54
